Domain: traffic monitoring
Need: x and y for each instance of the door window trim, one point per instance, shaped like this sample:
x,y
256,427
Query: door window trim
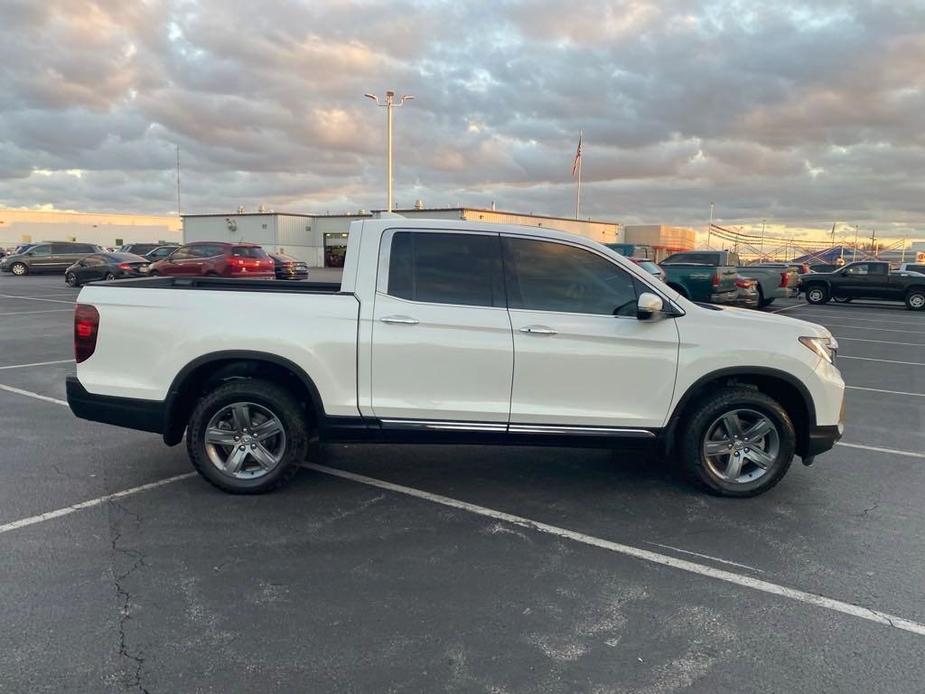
x,y
385,256
565,242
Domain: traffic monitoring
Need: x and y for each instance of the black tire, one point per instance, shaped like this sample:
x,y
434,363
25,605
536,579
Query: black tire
x,y
842,299
19,269
817,294
110,276
276,399
704,412
70,279
915,299
768,302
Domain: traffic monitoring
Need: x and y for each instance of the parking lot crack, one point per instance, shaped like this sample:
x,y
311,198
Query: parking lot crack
x,y
133,560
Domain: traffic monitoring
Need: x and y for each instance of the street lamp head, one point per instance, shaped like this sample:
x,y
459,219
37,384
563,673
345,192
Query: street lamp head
x,y
371,96
406,97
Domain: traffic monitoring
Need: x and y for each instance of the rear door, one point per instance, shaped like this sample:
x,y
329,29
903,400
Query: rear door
x,y
441,336
63,255
581,358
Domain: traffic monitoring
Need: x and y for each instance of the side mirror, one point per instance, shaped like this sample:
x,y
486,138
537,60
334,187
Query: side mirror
x,y
649,306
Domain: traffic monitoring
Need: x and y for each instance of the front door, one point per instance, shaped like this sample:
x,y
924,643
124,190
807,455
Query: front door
x,y
581,358
857,282
441,336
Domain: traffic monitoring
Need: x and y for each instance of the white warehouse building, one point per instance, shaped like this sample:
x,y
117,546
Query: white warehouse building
x,y
321,240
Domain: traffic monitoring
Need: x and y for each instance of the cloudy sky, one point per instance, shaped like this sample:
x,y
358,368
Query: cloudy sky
x,y
802,113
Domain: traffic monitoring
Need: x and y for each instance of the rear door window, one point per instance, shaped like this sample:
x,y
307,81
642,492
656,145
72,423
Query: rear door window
x,y
248,252
699,258
446,268
40,250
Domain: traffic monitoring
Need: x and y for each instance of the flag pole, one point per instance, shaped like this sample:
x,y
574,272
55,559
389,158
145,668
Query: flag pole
x,y
578,194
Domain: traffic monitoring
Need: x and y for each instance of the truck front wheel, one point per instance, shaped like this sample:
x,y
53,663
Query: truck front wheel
x,y
247,436
737,442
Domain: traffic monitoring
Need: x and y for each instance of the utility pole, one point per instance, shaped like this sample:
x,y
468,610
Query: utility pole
x,y
710,226
856,228
761,246
873,240
178,181
577,169
388,105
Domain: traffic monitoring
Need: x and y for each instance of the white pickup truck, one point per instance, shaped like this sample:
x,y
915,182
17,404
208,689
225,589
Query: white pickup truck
x,y
458,333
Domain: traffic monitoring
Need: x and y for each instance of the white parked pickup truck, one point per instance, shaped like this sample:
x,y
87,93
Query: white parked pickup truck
x,y
455,332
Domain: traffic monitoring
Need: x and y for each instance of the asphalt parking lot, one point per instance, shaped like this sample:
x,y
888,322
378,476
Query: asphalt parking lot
x,y
408,575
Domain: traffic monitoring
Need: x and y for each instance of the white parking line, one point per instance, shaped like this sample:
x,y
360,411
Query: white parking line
x,y
638,553
36,363
842,326
30,394
706,556
862,320
29,313
878,449
788,308
35,298
881,342
889,392
42,517
884,361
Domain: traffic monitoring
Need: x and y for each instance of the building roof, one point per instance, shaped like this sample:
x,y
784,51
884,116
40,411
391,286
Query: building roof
x,y
490,211
278,214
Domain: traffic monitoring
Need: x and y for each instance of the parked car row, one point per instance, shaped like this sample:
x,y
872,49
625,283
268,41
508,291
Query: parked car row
x,y
83,262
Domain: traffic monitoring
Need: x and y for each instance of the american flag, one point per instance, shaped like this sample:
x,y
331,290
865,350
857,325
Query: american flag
x,y
577,156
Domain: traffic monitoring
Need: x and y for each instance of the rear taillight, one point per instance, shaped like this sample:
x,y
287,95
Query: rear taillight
x,y
86,328
125,266
784,279
715,279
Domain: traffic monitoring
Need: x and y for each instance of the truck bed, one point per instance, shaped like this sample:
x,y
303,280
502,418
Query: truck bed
x,y
226,284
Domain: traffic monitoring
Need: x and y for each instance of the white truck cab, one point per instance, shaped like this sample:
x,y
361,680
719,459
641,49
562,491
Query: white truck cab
x,y
456,332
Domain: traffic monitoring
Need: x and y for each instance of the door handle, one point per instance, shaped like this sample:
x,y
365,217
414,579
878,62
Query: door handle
x,y
400,320
539,330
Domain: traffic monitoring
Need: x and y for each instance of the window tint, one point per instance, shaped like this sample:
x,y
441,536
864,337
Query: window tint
x,y
859,269
446,268
208,250
549,276
248,252
92,260
183,253
62,248
879,269
40,250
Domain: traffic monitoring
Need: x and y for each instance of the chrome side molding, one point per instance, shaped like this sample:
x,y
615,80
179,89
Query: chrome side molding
x,y
501,428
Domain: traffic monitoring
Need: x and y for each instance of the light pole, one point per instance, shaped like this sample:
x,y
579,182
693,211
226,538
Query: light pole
x,y
389,103
710,227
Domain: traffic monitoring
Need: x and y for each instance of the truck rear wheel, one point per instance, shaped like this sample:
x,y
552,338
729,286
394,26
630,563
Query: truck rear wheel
x,y
817,294
737,442
248,436
915,299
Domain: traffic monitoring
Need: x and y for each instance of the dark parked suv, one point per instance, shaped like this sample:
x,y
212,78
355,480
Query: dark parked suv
x,y
212,258
51,256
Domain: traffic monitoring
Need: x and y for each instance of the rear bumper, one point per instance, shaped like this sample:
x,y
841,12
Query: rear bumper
x,y
729,297
144,415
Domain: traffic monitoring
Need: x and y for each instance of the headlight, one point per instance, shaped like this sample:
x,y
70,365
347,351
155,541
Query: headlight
x,y
825,347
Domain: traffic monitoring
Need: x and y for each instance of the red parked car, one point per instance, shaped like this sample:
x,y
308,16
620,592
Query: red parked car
x,y
215,259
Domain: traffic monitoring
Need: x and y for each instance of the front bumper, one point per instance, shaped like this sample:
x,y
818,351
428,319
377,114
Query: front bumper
x,y
132,413
822,439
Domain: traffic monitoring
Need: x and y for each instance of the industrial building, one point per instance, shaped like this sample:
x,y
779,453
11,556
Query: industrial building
x,y
103,228
661,240
321,240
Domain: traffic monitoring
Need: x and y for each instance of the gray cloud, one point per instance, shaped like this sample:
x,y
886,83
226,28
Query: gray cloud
x,y
804,112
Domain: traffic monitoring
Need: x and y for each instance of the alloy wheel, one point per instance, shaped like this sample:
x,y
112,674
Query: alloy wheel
x,y
245,440
740,446
18,269
815,295
917,301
